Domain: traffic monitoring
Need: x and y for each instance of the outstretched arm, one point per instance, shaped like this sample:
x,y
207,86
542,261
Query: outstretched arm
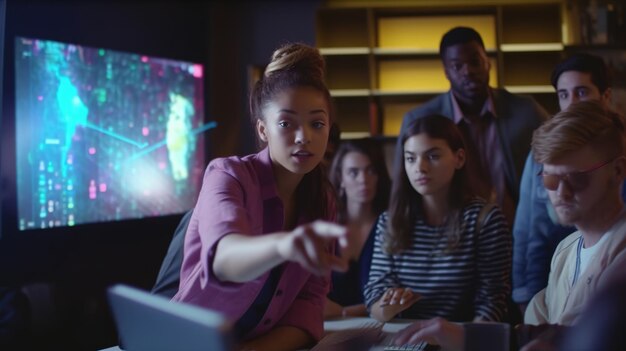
x,y
241,258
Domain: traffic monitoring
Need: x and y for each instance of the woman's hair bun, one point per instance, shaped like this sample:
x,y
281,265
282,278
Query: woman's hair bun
x,y
296,57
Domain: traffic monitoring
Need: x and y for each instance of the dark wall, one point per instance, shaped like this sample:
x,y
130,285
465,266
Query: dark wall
x,y
75,265
2,21
244,34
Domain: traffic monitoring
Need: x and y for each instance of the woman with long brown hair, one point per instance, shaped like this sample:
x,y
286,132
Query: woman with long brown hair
x,y
433,254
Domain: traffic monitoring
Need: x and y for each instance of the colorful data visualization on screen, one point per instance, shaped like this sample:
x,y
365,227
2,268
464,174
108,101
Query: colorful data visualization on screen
x,y
104,135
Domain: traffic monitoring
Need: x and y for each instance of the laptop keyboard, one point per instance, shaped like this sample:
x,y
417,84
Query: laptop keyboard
x,y
412,347
351,339
358,338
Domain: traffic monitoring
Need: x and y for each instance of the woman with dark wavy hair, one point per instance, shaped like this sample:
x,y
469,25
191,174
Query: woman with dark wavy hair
x,y
434,254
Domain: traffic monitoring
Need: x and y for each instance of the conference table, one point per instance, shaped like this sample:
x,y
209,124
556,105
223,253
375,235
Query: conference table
x,y
334,329
360,333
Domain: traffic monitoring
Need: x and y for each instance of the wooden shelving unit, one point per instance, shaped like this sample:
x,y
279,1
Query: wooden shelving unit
x,y
383,57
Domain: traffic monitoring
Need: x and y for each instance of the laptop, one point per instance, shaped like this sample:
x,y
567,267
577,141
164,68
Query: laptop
x,y
364,333
151,322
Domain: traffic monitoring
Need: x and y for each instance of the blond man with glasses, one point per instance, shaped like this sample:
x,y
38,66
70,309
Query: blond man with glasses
x,y
582,152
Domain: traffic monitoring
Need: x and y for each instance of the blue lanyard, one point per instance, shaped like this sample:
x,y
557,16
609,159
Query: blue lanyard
x,y
578,250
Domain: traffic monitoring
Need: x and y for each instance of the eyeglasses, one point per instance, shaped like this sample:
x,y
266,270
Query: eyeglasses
x,y
577,181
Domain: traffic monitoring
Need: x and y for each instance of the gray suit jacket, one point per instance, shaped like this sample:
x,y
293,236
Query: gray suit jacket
x,y
517,117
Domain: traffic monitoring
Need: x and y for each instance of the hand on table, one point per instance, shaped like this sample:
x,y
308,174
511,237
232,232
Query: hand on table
x,y
437,331
394,301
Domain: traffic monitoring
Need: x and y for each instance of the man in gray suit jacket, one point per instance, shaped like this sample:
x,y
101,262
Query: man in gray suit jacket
x,y
497,124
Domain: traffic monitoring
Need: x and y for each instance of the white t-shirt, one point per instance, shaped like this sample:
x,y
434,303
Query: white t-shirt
x,y
587,254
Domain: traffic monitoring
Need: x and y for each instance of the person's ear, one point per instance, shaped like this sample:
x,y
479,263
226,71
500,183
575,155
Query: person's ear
x,y
460,158
261,130
446,71
619,165
443,63
485,58
606,97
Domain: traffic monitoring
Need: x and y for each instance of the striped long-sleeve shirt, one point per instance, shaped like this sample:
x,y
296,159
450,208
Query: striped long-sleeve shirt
x,y
470,281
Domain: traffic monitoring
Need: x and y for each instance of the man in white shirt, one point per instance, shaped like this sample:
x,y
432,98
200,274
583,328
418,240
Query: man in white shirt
x,y
582,152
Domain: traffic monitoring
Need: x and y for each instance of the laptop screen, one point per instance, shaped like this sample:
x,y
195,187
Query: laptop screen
x,y
150,322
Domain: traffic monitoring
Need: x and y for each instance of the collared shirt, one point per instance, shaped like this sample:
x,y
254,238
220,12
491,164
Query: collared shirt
x,y
239,196
561,302
487,175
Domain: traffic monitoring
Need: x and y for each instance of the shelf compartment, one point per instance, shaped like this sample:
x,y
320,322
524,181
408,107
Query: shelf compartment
x,y
531,24
550,102
529,68
417,75
425,32
405,51
347,72
411,75
413,52
393,116
393,110
342,28
353,114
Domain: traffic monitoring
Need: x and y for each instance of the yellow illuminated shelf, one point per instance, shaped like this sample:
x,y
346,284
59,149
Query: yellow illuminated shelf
x,y
532,47
396,92
411,51
410,75
530,89
404,51
418,75
355,135
382,56
349,92
425,32
394,113
345,51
